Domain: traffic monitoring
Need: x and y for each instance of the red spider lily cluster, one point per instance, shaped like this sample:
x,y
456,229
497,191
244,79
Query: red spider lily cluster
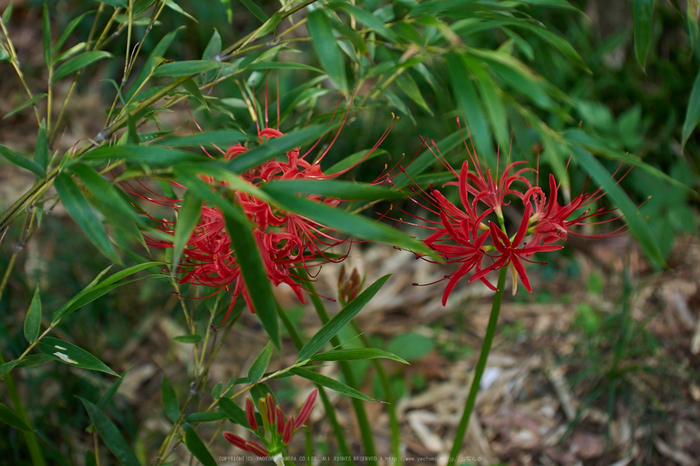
x,y
467,236
286,240
275,430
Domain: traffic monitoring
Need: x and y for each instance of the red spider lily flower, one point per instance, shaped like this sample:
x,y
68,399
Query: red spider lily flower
x,y
277,431
462,234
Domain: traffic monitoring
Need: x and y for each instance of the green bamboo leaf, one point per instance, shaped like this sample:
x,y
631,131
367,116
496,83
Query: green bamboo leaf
x,y
8,366
346,190
26,104
78,208
356,354
46,34
643,25
78,63
552,3
247,253
195,445
187,216
21,161
371,21
257,369
335,218
253,8
67,32
154,155
41,151
72,355
187,68
639,228
340,320
329,383
326,48
213,47
558,42
150,64
34,360
213,139
110,435
490,93
276,147
191,339
11,419
178,9
111,391
7,14
233,412
280,65
692,116
354,159
170,404
115,3
410,88
32,323
205,417
109,201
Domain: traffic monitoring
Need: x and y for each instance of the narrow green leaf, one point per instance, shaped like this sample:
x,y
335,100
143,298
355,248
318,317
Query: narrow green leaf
x,y
78,208
170,404
26,104
111,391
109,201
32,323
67,32
558,42
257,369
187,68
213,48
115,3
233,412
78,63
213,139
46,34
276,147
247,253
154,155
326,48
195,445
353,159
34,360
356,354
8,366
21,161
692,116
11,419
329,383
280,65
72,355
110,435
187,216
552,3
346,190
339,321
205,417
371,21
354,224
634,220
253,8
643,25
150,64
41,151
189,339
7,14
98,288
410,88
178,9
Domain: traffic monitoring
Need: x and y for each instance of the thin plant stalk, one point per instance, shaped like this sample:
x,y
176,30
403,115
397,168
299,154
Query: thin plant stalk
x,y
480,366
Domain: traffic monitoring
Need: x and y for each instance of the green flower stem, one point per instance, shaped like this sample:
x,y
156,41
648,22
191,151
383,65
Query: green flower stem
x,y
360,412
480,366
394,424
29,437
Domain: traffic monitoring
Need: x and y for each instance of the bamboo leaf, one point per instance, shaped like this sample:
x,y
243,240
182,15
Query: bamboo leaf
x,y
326,48
41,151
356,354
32,323
205,417
257,369
11,419
46,34
191,339
214,139
643,25
72,355
195,445
78,208
110,435
150,64
67,32
233,412
26,104
256,10
346,190
692,116
170,404
153,155
78,63
21,161
329,383
187,216
187,68
340,320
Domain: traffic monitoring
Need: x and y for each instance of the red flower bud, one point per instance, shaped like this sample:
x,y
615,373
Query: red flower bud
x,y
270,402
250,414
280,421
288,431
256,449
305,410
235,440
